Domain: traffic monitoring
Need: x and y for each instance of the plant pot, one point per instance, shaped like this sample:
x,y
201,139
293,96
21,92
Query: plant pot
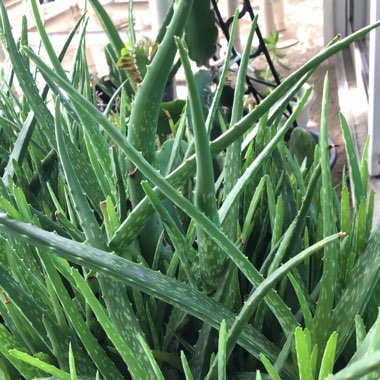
x,y
304,116
315,135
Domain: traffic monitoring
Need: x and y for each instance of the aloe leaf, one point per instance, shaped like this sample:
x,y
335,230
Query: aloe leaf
x,y
26,132
154,329
278,221
108,26
130,227
23,75
95,351
328,358
26,305
357,291
7,371
233,156
73,371
303,349
211,258
142,126
10,209
157,252
328,282
305,306
176,318
143,120
360,331
176,237
364,175
362,367
42,173
29,336
57,339
22,176
39,364
205,343
271,201
361,226
28,259
368,342
69,225
157,372
9,126
269,367
201,32
284,87
345,211
177,145
110,219
119,184
283,356
32,283
135,368
131,28
85,87
371,207
345,226
186,367
222,354
374,344
75,72
287,320
218,93
22,204
94,159
289,241
48,224
364,166
6,90
43,115
108,109
96,238
100,147
46,41
144,279
20,146
86,216
249,219
259,293
357,185
257,163
24,36
7,343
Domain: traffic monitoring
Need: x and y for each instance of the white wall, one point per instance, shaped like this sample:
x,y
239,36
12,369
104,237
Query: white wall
x,y
374,94
334,19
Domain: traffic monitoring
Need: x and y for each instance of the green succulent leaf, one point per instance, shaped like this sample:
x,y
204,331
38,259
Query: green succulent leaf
x,y
201,32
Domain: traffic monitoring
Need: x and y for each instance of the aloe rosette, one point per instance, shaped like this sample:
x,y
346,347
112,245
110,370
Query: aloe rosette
x,y
82,297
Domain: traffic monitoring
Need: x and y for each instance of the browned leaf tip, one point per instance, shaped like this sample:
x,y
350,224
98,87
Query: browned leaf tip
x,y
167,114
132,172
6,299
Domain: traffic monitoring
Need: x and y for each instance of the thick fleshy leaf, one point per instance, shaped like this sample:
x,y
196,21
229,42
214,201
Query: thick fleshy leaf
x,y
146,280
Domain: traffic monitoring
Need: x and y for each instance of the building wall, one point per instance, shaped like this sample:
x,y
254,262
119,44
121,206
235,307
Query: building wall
x,y
60,17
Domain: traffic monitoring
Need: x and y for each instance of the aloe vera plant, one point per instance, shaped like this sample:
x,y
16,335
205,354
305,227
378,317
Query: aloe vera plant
x,y
261,248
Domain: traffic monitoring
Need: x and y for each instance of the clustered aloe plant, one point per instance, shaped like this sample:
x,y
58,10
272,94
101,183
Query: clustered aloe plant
x,y
233,260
